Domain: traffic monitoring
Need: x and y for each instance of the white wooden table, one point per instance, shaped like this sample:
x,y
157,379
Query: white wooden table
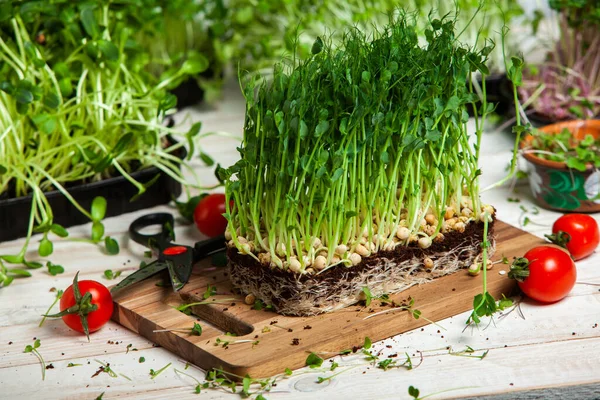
x,y
555,345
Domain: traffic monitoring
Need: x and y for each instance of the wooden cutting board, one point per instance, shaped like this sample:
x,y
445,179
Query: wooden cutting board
x,y
269,343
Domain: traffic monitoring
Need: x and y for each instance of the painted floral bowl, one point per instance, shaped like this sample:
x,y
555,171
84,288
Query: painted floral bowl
x,y
558,187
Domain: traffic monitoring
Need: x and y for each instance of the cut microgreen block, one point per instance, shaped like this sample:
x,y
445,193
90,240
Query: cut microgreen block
x,y
359,148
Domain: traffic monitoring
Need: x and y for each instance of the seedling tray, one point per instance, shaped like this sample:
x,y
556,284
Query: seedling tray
x,y
14,212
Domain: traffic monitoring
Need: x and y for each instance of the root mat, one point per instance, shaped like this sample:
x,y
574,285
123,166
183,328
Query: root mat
x,y
268,343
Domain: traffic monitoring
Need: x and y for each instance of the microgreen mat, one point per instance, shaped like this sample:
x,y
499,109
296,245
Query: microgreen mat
x,y
367,137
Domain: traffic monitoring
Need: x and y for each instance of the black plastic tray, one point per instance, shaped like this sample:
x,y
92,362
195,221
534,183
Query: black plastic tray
x,y
188,93
14,212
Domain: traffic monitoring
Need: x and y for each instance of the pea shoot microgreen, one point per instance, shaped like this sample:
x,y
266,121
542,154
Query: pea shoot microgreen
x,y
33,349
195,330
187,308
390,363
468,352
62,100
54,269
130,348
59,294
106,368
154,374
210,291
314,361
110,274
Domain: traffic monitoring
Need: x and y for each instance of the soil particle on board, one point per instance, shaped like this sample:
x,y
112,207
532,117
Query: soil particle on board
x,y
10,343
295,342
50,366
310,327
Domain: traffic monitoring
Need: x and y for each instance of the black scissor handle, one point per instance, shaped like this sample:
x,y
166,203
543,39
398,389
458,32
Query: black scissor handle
x,y
156,240
206,247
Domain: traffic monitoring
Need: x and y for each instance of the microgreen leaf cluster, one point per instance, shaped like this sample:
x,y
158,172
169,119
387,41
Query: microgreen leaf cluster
x,y
368,137
77,106
563,147
257,33
566,84
34,349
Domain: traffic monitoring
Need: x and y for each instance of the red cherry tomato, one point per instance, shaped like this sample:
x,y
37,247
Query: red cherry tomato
x,y
208,215
583,234
552,274
100,296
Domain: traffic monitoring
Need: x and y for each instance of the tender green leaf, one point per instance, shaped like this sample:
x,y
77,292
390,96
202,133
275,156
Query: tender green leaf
x,y
337,174
98,209
33,264
314,361
59,230
23,96
317,46
45,248
51,100
122,144
367,345
12,259
195,64
112,246
97,231
54,269
321,128
88,20
108,50
19,272
45,123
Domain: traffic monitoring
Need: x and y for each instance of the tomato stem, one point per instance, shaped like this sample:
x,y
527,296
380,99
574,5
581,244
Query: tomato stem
x,y
519,269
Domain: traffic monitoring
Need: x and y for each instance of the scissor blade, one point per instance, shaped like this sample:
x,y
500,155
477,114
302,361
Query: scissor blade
x,y
141,274
176,280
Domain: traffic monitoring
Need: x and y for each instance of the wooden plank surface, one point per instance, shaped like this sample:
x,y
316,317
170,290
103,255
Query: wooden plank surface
x,y
553,346
269,343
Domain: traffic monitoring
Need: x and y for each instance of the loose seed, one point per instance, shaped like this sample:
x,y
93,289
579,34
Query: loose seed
x,y
250,299
428,263
474,269
439,237
460,227
489,265
242,239
316,243
228,235
449,213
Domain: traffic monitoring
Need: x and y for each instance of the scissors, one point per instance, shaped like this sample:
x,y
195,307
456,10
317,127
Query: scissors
x,y
177,259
